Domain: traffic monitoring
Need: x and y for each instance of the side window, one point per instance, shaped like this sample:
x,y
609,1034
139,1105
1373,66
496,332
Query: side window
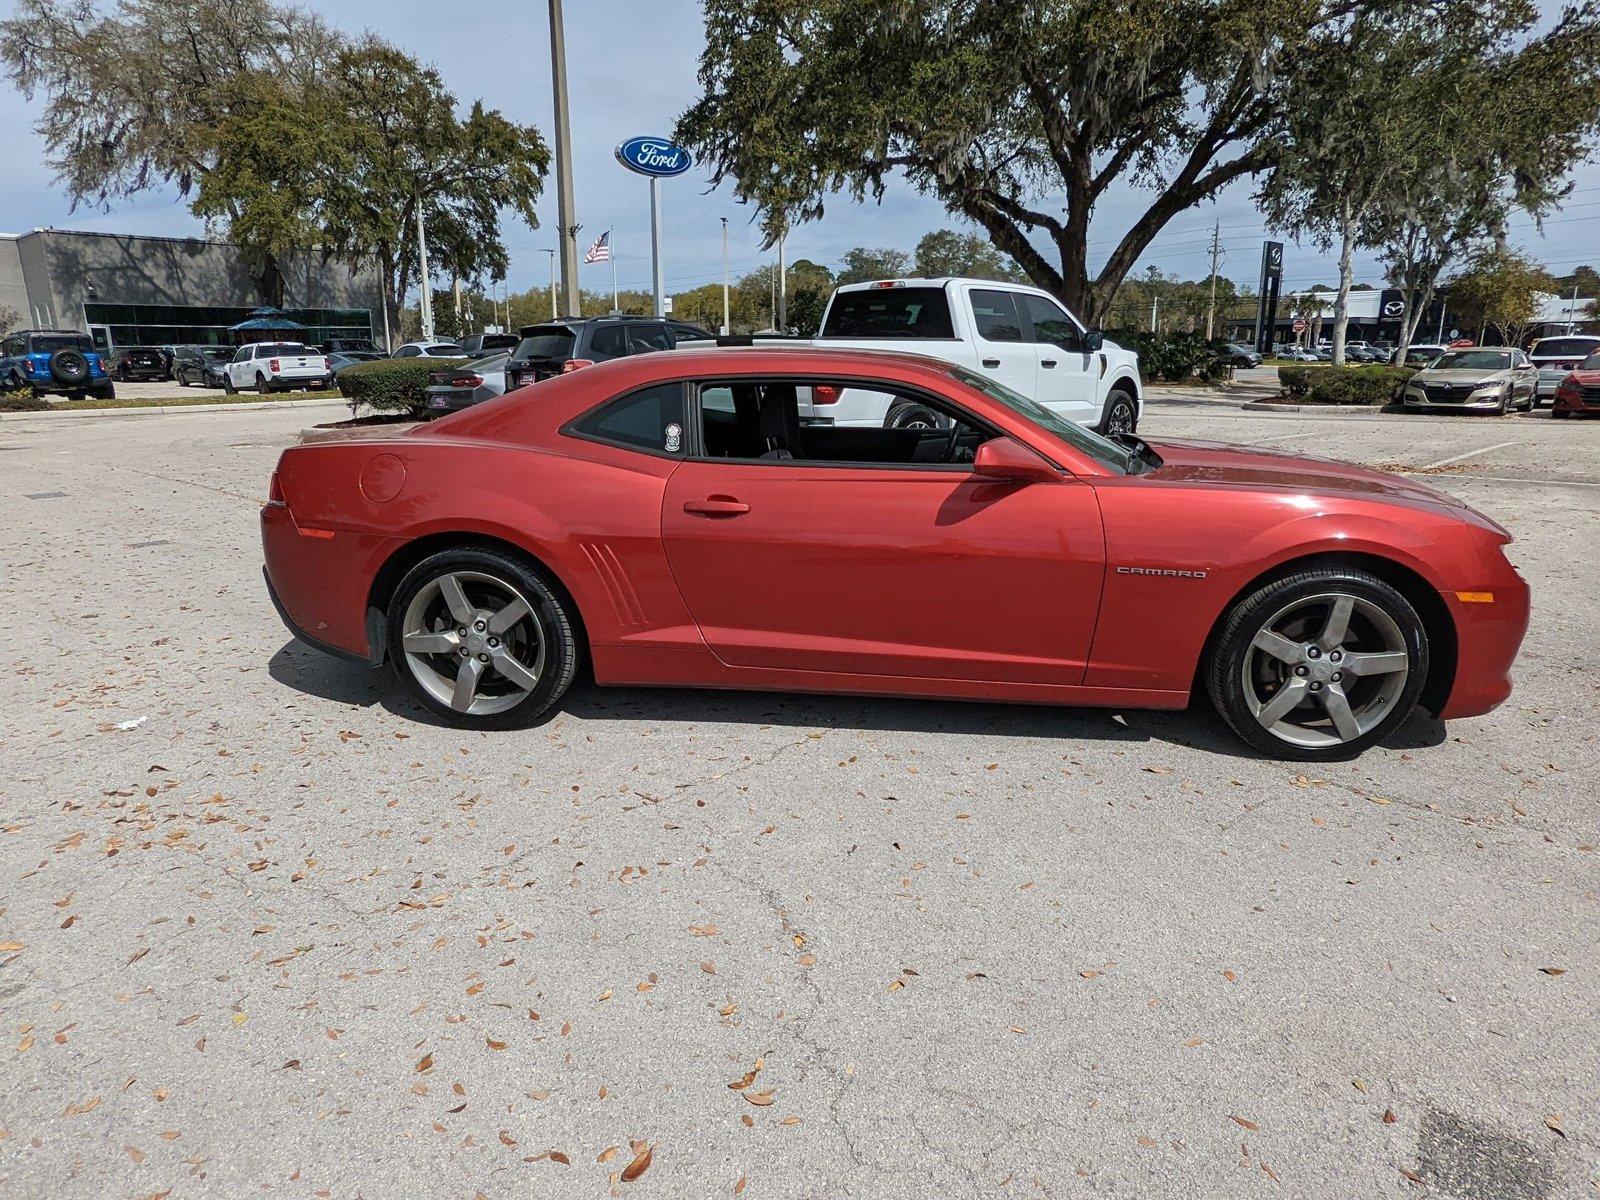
x,y
644,338
762,421
651,419
995,314
407,352
1050,322
243,355
609,341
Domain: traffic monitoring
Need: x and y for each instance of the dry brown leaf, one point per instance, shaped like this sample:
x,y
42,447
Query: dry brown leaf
x,y
494,1045
703,930
8,947
557,1156
1388,1116
1360,1085
739,1184
1248,1124
606,1155
1230,976
425,1063
1090,974
135,1153
638,1166
1553,1124
760,1099
790,1121
1193,1042
605,995
1554,970
78,1110
710,968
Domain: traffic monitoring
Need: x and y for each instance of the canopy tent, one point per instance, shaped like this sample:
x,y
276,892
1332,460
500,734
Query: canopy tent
x,y
266,320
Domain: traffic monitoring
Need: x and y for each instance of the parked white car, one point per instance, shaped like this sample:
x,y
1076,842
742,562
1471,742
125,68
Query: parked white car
x,y
1558,357
275,367
429,350
1017,335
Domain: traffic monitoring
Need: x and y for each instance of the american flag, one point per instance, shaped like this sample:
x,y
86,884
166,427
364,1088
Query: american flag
x,y
601,250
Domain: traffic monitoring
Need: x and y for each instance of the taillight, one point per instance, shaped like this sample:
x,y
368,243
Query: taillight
x,y
467,381
273,366
574,364
327,364
275,493
823,394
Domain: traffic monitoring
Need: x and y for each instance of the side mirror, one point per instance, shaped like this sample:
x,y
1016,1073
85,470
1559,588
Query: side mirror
x,y
1093,340
1008,459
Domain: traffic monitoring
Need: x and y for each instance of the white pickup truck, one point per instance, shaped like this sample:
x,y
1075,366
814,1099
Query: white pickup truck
x,y
275,367
1017,335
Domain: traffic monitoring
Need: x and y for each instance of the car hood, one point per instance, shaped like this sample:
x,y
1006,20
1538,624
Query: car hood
x,y
1239,466
1474,376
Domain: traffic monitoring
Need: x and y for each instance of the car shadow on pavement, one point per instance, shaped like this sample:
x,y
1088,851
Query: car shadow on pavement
x,y
316,674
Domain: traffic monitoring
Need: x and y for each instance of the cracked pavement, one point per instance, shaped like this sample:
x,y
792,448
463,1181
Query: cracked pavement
x,y
285,936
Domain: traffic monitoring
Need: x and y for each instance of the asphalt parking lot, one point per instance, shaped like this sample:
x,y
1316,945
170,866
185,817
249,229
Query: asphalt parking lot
x,y
265,931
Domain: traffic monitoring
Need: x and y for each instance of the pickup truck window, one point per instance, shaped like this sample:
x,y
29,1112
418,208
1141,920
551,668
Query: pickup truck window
x,y
1051,323
911,312
995,316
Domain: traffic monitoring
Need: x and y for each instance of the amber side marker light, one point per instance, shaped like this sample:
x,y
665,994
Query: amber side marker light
x,y
1475,597
307,531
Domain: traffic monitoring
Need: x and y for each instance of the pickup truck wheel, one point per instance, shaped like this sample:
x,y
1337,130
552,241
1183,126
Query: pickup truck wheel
x,y
909,415
1121,413
262,387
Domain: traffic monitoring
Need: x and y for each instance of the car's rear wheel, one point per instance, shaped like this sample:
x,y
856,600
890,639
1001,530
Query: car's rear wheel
x,y
1319,665
1121,413
910,415
481,638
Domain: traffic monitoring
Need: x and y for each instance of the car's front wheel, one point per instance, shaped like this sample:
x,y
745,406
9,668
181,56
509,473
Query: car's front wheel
x,y
1121,413
481,638
227,386
1319,664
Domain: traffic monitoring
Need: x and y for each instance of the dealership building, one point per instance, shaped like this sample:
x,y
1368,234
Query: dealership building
x,y
126,290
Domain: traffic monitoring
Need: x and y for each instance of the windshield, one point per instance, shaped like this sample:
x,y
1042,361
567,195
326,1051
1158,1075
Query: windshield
x,y
1086,441
218,354
545,343
1568,347
1472,360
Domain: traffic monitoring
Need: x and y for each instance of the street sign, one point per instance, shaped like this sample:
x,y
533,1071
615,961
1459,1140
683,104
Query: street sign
x,y
1299,327
654,156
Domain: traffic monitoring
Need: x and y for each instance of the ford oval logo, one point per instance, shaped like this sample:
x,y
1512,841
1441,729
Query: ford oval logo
x,y
654,156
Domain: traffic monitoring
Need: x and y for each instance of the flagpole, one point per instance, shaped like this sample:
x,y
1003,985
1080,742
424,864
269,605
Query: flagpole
x,y
611,239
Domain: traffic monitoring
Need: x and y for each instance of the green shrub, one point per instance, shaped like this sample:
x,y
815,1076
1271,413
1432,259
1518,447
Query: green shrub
x,y
391,384
1175,357
1323,383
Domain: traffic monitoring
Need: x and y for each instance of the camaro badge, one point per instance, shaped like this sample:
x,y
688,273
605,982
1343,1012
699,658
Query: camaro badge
x,y
1168,572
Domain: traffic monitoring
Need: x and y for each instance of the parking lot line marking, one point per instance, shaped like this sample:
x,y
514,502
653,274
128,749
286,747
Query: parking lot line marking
x,y
1546,482
1445,462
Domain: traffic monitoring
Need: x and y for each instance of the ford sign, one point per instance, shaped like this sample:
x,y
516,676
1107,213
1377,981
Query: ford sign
x,y
654,156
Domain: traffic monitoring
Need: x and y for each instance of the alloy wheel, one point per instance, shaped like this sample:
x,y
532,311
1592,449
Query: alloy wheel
x,y
1325,669
1120,418
473,642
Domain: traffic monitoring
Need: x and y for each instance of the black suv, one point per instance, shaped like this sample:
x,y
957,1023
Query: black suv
x,y
558,347
139,362
54,360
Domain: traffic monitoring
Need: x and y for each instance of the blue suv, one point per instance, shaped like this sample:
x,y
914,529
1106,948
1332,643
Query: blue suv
x,y
54,360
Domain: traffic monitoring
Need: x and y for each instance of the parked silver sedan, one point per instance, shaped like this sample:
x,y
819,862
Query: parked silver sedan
x,y
1485,378
455,388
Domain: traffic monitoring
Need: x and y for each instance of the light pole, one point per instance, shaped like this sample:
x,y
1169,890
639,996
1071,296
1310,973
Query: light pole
x,y
552,255
566,219
783,291
724,276
425,300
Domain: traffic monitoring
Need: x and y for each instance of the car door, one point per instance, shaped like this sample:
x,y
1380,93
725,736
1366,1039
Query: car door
x,y
1000,340
238,369
913,571
1069,375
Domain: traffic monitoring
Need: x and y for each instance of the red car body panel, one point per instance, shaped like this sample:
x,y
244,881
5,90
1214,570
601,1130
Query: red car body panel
x,y
1093,588
1579,392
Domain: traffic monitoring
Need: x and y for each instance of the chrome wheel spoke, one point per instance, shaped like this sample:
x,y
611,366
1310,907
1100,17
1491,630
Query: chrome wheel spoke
x,y
431,643
1338,624
455,597
466,684
1338,708
515,671
1284,702
509,616
1381,663
1280,647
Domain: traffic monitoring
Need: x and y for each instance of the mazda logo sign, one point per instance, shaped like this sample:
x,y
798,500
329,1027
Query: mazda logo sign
x,y
1394,308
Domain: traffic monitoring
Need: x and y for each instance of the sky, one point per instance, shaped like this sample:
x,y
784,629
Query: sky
x,y
632,69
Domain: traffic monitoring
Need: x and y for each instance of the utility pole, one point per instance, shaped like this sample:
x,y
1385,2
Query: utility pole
x,y
425,300
724,276
1155,306
455,287
553,313
566,219
1216,256
783,291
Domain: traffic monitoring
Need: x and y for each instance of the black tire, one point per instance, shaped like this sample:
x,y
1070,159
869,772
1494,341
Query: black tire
x,y
181,380
1560,414
908,414
227,386
518,576
1121,413
263,388
1233,653
106,391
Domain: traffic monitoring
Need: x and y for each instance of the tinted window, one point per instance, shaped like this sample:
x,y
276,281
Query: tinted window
x,y
995,314
1050,322
545,343
50,343
889,313
408,352
275,349
1592,363
1578,347
609,341
651,419
1096,447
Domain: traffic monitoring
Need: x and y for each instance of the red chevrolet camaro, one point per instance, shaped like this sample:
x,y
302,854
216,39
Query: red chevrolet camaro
x,y
671,519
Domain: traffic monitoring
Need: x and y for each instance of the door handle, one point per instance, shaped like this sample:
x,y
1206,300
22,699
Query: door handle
x,y
716,506
1047,362
991,362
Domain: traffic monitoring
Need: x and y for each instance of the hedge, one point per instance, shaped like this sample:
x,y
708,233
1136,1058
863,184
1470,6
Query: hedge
x,y
1175,357
391,384
1321,383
